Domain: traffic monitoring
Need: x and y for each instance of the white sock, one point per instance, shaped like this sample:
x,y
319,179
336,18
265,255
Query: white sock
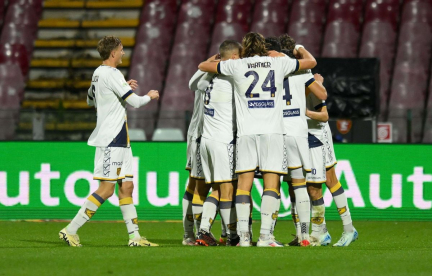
x,y
303,208
277,214
318,220
197,209
130,217
242,210
228,217
295,219
85,213
209,213
340,199
188,222
268,211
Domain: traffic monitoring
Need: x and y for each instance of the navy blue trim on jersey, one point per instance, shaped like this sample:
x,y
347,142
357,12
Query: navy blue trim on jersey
x,y
319,106
309,82
127,94
219,69
120,141
314,142
297,66
90,97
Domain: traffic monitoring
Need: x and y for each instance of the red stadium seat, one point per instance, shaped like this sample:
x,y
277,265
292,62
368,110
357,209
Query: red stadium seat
x,y
271,11
340,40
308,11
2,12
187,33
415,32
15,54
417,11
197,12
159,12
384,11
414,54
13,85
268,28
307,34
15,34
348,11
159,37
25,17
235,11
223,31
36,5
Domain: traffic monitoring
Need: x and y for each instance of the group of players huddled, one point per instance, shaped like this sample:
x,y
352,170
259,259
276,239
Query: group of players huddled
x,y
259,111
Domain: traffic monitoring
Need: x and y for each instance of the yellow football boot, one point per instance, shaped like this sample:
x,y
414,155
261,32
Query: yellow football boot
x,y
71,240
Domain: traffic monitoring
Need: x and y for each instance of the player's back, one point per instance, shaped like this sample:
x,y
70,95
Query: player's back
x,y
219,110
258,83
294,98
107,85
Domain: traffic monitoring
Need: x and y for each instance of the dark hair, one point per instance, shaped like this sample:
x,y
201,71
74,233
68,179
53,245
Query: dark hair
x,y
287,42
288,53
106,45
228,46
254,44
273,44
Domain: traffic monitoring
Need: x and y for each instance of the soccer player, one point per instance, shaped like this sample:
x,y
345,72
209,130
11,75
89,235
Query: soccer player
x,y
217,151
191,200
323,170
109,93
258,84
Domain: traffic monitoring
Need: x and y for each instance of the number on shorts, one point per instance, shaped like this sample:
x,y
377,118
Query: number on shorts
x,y
287,97
269,80
314,171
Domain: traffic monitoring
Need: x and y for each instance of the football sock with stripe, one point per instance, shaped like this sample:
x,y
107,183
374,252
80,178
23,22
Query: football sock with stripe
x,y
228,216
209,212
85,213
268,211
130,217
295,218
243,210
188,222
318,219
303,208
197,209
340,199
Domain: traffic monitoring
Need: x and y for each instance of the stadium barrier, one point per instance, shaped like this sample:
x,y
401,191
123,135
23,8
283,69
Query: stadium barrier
x,y
50,180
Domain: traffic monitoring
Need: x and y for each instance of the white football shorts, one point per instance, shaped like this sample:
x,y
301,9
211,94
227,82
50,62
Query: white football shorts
x,y
318,169
193,164
217,161
298,153
264,151
330,157
112,163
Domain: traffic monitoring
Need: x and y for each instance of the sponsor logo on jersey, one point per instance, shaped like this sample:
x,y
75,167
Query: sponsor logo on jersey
x,y
291,112
261,104
209,111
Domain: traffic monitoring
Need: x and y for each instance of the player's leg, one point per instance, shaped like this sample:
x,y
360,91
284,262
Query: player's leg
x,y
228,213
201,189
208,215
188,221
294,215
272,236
350,234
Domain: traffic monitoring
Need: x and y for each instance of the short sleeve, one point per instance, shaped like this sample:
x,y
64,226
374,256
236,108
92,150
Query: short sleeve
x,y
119,85
309,79
226,67
288,65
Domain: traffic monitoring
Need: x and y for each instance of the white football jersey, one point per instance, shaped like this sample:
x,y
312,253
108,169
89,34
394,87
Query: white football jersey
x,y
109,90
294,99
315,127
219,115
198,83
258,85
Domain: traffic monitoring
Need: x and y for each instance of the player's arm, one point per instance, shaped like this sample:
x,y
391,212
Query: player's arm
x,y
305,59
211,65
315,86
193,82
90,99
137,101
320,113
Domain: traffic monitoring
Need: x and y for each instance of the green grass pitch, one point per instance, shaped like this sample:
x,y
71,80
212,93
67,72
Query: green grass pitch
x,y
383,248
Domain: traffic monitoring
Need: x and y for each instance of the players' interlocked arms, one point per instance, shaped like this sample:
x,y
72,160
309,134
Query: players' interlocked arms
x,y
109,93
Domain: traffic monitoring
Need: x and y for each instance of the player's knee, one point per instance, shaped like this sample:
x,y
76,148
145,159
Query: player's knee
x,y
127,187
314,192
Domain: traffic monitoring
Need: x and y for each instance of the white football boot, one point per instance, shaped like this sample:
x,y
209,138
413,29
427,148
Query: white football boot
x,y
347,238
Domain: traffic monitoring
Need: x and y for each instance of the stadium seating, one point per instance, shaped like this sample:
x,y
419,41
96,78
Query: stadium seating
x,y
137,134
270,17
15,54
417,11
197,12
223,31
427,137
343,28
378,40
168,134
306,23
235,11
2,12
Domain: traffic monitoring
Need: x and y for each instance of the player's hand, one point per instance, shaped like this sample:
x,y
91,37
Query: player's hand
x,y
319,78
297,51
133,84
214,58
307,112
273,53
153,94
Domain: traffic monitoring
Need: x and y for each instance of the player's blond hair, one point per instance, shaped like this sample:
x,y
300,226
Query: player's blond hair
x,y
106,45
254,44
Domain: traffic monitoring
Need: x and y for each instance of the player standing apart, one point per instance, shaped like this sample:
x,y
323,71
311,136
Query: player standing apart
x,y
258,79
218,150
192,202
109,93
